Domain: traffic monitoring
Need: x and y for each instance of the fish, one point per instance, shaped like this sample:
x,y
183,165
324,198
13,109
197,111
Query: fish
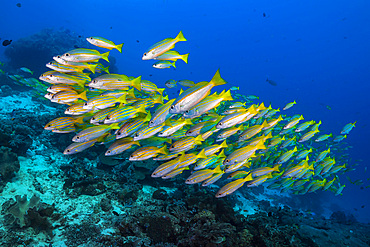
x,y
104,43
192,96
7,42
115,81
289,105
164,64
27,70
162,46
233,186
234,88
145,153
173,56
171,83
347,128
186,83
207,104
323,137
120,146
84,55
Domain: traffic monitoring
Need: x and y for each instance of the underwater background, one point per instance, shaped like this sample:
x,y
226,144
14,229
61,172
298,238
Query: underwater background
x,y
315,52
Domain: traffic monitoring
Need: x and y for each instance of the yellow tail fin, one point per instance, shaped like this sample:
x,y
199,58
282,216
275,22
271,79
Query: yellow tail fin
x,y
180,37
119,47
185,57
83,95
136,83
105,56
92,67
217,80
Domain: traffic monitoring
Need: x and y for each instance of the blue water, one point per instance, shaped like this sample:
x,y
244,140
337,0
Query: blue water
x,y
316,51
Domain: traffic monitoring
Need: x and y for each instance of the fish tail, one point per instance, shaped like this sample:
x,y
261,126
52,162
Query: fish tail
x,y
136,142
180,37
122,99
163,150
227,96
160,90
136,83
141,109
105,56
83,95
224,144
92,67
217,80
173,64
119,47
188,121
276,168
201,155
185,57
106,70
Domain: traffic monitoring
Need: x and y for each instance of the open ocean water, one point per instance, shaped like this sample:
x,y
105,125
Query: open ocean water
x,y
314,52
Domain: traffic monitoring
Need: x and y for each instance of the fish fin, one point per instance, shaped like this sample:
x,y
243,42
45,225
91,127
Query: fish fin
x,y
222,154
248,178
106,69
163,150
92,67
217,80
199,138
202,155
83,95
122,99
169,141
227,96
185,57
105,56
188,121
217,169
224,144
265,124
119,47
180,37
148,117
141,109
136,83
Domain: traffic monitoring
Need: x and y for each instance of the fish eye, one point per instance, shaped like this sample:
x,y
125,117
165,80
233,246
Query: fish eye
x,y
144,54
91,38
49,125
220,123
227,160
85,104
92,118
77,137
172,106
190,132
161,133
58,56
94,81
151,122
50,75
50,63
187,111
108,152
67,54
136,134
68,150
107,118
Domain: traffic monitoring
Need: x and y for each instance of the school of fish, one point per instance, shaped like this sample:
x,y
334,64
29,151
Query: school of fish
x,y
213,135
